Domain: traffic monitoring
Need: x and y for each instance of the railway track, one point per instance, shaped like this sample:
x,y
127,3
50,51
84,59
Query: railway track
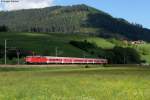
x,y
36,66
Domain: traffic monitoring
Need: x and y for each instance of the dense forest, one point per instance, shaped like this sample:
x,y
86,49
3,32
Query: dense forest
x,y
72,19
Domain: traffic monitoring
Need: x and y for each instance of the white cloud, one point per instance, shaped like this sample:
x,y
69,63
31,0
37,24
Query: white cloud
x,y
27,4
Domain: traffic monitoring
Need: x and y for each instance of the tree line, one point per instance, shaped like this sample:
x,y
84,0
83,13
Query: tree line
x,y
116,55
3,28
117,27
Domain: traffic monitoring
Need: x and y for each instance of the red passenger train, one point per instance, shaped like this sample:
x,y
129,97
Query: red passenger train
x,y
62,60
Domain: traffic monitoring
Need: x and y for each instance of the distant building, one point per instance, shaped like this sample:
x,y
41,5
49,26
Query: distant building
x,y
137,42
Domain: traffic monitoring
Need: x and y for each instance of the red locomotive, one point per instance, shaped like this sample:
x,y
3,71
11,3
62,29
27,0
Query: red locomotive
x,y
62,60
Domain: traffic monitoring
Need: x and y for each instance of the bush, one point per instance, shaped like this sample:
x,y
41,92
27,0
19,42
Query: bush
x,y
119,55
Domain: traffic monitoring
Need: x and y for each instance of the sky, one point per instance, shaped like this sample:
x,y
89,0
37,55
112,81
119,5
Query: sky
x,y
136,11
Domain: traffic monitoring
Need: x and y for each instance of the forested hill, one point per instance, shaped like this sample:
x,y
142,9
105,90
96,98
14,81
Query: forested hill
x,y
72,19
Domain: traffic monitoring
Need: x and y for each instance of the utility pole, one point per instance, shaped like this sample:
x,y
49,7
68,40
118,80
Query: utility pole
x,y
18,56
5,51
124,58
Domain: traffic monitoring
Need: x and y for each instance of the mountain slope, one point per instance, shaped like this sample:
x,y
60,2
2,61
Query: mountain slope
x,y
44,44
72,19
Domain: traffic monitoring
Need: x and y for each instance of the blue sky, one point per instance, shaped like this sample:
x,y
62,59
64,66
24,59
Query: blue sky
x,y
131,10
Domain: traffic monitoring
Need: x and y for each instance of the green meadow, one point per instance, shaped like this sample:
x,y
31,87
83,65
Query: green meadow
x,y
46,44
75,83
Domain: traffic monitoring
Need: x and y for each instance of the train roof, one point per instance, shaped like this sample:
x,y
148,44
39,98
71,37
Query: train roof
x,y
65,57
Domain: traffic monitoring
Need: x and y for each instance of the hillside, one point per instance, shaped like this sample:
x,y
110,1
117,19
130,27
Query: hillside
x,y
46,44
72,19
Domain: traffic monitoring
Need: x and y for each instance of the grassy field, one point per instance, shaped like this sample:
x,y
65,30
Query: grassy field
x,y
46,44
75,83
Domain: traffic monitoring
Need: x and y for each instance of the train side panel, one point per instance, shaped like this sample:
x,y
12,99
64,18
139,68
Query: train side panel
x,y
63,60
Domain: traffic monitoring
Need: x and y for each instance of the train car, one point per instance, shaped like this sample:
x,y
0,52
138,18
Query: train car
x,y
62,60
